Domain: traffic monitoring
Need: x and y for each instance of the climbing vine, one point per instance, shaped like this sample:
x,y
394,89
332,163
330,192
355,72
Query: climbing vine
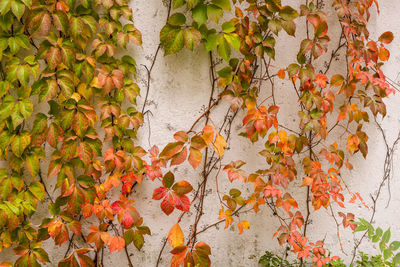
x,y
69,57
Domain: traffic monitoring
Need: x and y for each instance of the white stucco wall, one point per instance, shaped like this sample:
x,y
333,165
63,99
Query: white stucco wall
x,y
179,92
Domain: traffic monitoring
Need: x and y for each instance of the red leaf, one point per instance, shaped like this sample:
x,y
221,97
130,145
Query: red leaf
x,y
159,193
127,220
167,205
181,202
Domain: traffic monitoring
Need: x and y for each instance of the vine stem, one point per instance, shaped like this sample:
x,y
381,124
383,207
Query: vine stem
x,y
205,166
149,70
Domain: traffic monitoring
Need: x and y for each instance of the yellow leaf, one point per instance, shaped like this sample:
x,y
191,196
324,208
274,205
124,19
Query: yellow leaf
x,y
220,145
243,225
175,236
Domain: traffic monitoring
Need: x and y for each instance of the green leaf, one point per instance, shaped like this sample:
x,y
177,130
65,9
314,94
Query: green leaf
x,y
214,13
224,4
41,254
4,6
17,182
23,42
288,13
16,118
211,41
386,236
25,108
5,139
32,162
379,231
3,43
20,143
360,228
192,38
177,3
395,245
131,92
275,26
28,3
224,50
234,40
13,44
172,39
168,179
200,14
387,253
225,72
138,240
128,237
6,107
190,4
85,181
37,189
5,188
177,19
60,21
23,74
76,26
228,27
289,27
17,8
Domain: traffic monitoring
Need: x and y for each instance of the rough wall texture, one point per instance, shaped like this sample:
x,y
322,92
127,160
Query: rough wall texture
x,y
178,95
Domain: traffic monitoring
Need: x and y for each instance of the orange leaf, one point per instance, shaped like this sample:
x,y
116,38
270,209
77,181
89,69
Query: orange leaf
x,y
208,134
281,74
384,54
220,145
117,243
243,225
386,37
175,236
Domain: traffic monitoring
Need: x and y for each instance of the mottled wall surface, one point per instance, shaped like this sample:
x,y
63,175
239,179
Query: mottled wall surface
x,y
179,93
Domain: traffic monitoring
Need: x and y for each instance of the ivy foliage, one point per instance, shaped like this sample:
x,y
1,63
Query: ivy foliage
x,y
64,56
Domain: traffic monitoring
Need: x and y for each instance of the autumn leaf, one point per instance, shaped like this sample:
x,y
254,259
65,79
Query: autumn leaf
x,y
281,74
175,236
219,145
116,243
386,37
243,225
